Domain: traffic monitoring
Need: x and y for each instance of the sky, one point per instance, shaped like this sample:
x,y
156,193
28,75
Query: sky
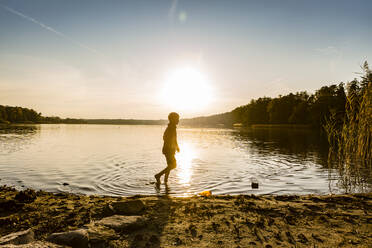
x,y
113,59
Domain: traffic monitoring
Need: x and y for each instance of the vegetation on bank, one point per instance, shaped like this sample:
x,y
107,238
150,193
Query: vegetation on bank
x,y
10,115
300,108
18,115
350,132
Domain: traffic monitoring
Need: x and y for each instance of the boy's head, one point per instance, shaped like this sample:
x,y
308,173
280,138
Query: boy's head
x,y
174,118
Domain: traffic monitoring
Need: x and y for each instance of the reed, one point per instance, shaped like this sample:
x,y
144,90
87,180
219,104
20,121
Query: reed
x,y
350,133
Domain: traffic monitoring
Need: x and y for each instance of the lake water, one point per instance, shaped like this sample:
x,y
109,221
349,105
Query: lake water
x,y
121,160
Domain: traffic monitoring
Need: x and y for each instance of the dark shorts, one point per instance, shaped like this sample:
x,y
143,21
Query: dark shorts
x,y
171,160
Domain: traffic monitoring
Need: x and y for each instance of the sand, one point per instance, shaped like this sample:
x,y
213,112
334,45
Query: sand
x,y
214,221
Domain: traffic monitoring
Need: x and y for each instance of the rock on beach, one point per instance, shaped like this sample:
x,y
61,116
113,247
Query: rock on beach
x,y
123,223
35,244
77,238
22,237
132,207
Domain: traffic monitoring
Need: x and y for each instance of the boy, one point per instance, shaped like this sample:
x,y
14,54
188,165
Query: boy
x,y
170,147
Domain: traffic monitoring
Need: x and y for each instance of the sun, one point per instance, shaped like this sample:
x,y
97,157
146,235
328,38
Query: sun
x,y
186,89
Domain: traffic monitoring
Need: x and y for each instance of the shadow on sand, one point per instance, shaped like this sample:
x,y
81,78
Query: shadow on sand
x,y
160,214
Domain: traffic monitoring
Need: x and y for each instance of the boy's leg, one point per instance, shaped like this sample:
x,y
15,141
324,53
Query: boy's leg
x,y
171,164
161,173
171,161
166,176
166,172
157,176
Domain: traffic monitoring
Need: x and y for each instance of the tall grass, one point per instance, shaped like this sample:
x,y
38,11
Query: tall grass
x,y
350,133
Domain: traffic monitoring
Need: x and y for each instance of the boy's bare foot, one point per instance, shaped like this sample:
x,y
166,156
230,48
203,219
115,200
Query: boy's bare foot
x,y
157,177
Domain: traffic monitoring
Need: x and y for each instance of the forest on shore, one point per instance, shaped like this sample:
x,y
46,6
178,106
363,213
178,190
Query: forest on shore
x,y
20,115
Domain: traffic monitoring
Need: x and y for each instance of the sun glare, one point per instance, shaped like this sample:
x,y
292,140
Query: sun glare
x,y
186,89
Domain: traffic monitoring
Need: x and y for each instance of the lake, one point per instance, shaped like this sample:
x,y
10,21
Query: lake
x,y
121,160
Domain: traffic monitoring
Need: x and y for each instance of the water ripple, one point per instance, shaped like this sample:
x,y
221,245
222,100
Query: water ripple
x,y
107,160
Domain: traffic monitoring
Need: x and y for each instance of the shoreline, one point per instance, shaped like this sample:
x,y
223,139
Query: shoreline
x,y
166,221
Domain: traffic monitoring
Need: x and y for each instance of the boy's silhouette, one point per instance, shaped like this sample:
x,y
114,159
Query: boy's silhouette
x,y
170,147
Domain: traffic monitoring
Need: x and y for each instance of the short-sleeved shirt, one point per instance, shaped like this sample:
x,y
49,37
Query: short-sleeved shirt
x,y
170,140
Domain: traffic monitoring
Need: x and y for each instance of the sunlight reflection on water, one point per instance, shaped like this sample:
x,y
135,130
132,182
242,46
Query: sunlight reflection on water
x,y
184,163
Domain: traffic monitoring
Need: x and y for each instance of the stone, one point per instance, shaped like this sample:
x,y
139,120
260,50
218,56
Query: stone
x,y
17,238
35,244
132,207
76,238
100,236
123,223
254,185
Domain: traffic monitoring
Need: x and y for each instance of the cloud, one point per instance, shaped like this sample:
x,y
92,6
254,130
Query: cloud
x,y
46,27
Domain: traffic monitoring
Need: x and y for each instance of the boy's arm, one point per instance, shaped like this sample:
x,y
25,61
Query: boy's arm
x,y
177,147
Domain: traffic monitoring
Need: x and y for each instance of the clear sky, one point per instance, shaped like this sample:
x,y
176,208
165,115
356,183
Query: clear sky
x,y
112,59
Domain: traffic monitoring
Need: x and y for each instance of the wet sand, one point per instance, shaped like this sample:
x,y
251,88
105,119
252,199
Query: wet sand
x,y
214,221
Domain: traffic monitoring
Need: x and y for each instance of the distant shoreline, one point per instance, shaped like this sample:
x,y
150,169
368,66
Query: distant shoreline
x,y
162,123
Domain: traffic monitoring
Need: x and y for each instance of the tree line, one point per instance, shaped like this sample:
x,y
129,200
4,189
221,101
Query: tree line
x,y
298,108
17,115
10,115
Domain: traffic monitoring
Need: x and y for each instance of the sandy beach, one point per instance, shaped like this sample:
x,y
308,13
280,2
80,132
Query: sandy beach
x,y
164,221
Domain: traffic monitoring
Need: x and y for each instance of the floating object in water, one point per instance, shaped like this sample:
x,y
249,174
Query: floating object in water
x,y
254,183
206,193
65,184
